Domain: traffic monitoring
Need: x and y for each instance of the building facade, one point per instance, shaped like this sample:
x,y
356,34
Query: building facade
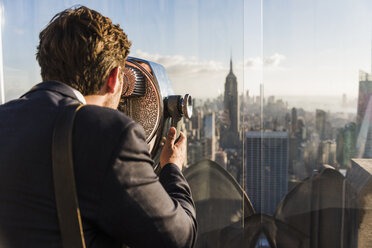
x,y
209,135
364,117
230,131
266,173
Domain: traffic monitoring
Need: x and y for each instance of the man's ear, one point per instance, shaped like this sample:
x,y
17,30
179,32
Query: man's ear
x,y
113,79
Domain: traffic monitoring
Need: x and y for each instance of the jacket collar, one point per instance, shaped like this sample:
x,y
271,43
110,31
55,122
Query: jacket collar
x,y
59,87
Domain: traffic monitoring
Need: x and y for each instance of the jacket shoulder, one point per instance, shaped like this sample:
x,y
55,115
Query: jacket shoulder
x,y
98,130
101,118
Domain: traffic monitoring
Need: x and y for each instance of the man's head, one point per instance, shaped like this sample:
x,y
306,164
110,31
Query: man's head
x,y
83,49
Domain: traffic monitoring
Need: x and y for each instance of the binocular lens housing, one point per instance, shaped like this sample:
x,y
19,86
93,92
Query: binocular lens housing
x,y
177,107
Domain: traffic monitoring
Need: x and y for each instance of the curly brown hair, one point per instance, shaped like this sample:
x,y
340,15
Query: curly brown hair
x,y
80,47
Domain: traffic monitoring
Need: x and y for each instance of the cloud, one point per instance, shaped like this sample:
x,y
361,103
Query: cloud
x,y
253,62
273,61
206,78
189,74
181,65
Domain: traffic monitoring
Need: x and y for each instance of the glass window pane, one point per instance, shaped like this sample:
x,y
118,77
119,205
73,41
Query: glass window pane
x,y
279,145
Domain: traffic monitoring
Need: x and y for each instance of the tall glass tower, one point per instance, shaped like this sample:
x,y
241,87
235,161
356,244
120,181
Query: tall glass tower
x,y
266,171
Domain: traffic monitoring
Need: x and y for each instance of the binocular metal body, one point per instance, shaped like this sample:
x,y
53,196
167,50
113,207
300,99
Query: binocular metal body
x,y
148,98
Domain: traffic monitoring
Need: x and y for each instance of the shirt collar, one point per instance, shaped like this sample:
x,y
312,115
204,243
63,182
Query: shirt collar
x,y
58,87
79,96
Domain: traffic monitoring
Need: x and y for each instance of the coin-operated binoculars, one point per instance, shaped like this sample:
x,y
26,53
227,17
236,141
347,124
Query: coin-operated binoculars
x,y
148,99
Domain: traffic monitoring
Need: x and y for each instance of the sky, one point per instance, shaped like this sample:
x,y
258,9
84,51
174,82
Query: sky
x,y
292,47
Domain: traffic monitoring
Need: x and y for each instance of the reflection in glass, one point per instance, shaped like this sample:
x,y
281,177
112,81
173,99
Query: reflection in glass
x,y
262,242
279,126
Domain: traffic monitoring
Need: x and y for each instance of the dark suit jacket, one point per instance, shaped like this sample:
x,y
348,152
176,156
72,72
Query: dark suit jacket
x,y
121,199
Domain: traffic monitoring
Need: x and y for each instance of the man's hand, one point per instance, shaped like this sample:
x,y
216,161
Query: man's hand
x,y
172,152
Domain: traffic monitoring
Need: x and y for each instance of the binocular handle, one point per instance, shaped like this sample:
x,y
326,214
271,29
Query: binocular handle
x,y
177,107
176,123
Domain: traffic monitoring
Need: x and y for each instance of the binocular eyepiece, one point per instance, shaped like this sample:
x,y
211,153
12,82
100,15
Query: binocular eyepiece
x,y
177,107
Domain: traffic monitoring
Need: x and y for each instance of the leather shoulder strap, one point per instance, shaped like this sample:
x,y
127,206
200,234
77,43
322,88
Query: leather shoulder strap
x,y
64,179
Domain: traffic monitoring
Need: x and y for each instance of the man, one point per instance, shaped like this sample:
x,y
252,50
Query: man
x,y
121,200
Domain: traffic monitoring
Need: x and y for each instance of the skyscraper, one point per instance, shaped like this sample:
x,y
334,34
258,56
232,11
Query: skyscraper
x,y
294,121
231,99
320,123
364,117
346,145
209,136
365,92
230,132
266,171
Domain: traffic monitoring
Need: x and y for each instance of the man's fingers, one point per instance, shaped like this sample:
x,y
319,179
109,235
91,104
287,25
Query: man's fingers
x,y
171,137
181,140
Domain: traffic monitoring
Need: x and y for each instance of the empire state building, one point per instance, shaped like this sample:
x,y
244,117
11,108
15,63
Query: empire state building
x,y
230,133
